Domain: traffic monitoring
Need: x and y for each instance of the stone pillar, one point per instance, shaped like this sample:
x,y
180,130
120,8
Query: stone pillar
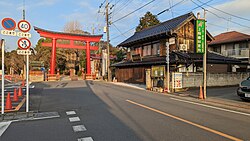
x,y
148,79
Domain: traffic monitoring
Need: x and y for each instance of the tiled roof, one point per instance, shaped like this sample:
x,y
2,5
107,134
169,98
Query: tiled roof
x,y
179,57
229,37
160,29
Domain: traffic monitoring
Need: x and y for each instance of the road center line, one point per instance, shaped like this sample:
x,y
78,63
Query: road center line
x,y
186,121
213,107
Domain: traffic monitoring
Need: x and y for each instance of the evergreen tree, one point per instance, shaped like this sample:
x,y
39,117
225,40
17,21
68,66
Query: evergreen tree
x,y
147,21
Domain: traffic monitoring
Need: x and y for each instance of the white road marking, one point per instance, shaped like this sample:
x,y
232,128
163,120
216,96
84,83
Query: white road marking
x,y
38,118
79,128
85,139
213,107
74,119
4,126
71,113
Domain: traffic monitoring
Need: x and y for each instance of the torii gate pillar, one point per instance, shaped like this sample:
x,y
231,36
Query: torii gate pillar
x,y
88,59
53,57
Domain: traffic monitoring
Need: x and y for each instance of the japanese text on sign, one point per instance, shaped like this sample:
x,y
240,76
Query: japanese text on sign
x,y
200,36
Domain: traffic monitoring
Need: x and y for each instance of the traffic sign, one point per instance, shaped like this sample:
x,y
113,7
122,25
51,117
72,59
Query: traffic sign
x,y
8,32
24,52
23,26
22,34
24,43
8,24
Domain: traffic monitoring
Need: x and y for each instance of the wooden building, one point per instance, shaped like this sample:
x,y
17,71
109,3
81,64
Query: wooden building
x,y
147,48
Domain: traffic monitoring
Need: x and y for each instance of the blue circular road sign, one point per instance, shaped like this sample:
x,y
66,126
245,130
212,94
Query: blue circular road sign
x,y
8,24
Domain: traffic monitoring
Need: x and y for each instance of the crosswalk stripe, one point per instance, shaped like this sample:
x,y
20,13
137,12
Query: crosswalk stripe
x,y
79,128
70,112
85,139
74,119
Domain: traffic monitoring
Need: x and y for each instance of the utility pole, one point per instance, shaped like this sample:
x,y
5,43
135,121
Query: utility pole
x,y
168,68
107,28
2,46
205,59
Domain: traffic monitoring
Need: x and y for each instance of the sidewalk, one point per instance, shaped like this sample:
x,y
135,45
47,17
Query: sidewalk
x,y
218,99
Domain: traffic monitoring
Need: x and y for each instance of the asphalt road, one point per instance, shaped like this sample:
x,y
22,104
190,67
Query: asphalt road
x,y
115,113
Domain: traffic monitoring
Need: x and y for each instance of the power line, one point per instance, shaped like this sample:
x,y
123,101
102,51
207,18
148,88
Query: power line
x,y
228,20
123,33
170,7
119,30
220,16
225,12
133,11
201,5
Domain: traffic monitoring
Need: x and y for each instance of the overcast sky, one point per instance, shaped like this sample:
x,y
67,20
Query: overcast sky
x,y
54,14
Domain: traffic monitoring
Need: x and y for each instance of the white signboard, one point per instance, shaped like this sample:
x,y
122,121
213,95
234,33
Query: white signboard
x,y
23,52
172,41
24,34
177,80
8,32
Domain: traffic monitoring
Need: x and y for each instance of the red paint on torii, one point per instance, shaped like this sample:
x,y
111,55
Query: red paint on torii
x,y
71,37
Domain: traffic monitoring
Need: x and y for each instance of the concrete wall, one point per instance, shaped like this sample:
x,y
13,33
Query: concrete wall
x,y
213,79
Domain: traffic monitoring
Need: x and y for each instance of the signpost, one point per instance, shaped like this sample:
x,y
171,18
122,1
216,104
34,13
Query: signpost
x,y
2,45
8,24
200,36
24,52
23,26
23,43
201,46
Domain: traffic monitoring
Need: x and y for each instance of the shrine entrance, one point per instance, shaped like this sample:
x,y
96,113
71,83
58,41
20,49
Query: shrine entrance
x,y
72,38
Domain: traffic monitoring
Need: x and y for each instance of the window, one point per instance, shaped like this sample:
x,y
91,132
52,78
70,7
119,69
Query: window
x,y
146,50
149,50
156,49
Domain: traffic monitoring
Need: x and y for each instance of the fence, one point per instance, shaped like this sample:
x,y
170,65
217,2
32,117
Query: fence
x,y
213,79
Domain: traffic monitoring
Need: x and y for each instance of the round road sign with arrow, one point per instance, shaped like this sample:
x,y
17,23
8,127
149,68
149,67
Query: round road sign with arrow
x,y
8,24
23,26
24,43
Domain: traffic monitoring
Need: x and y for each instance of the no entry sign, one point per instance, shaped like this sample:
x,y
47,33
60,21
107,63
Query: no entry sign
x,y
8,24
23,26
24,43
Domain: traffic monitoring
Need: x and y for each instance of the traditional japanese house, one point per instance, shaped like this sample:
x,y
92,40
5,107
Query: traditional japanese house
x,y
147,48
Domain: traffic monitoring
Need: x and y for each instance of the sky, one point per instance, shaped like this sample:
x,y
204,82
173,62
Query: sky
x,y
54,14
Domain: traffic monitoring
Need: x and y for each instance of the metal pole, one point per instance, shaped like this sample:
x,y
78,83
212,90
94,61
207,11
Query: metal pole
x,y
2,44
27,83
107,26
205,60
167,61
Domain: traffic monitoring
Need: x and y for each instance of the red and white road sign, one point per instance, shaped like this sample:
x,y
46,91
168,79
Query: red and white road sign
x,y
23,26
24,43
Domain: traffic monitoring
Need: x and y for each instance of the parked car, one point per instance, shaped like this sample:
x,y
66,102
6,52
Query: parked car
x,y
244,90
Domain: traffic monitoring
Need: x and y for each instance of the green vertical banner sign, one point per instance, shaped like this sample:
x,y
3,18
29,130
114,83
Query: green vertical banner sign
x,y
200,36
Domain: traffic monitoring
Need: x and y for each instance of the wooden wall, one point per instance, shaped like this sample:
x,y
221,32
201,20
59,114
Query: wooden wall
x,y
131,75
186,36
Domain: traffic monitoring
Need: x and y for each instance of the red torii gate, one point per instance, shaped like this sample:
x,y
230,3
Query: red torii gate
x,y
71,37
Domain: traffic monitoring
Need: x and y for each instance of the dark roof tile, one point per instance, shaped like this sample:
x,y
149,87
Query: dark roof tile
x,y
161,28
